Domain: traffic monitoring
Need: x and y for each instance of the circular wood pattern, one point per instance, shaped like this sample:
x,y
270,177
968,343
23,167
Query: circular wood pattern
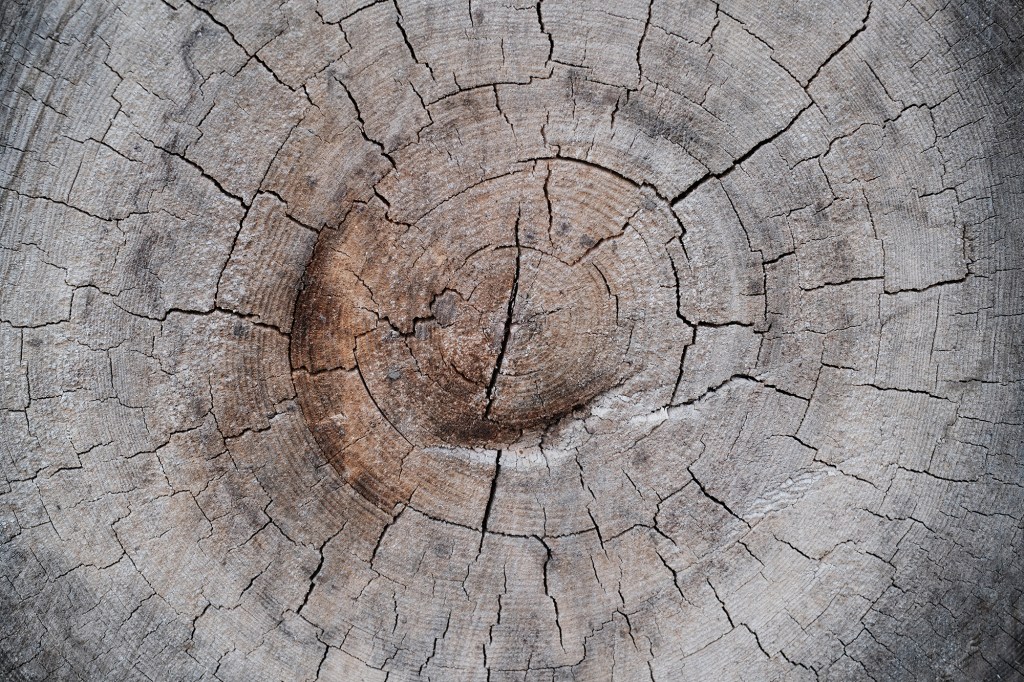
x,y
511,341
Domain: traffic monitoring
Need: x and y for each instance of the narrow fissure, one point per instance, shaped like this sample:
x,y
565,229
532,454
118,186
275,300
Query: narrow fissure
x,y
508,323
490,501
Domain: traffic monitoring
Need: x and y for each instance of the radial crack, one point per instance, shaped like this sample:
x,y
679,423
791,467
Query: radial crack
x,y
508,323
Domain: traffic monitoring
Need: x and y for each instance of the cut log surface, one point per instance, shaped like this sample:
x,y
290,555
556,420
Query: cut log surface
x,y
506,340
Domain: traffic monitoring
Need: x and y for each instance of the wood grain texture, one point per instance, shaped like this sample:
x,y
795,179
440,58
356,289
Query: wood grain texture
x,y
511,341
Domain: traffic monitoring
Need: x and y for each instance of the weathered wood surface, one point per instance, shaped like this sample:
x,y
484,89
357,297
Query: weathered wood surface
x,y
509,341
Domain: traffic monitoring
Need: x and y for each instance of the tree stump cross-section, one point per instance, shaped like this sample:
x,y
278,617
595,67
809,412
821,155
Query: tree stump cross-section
x,y
511,340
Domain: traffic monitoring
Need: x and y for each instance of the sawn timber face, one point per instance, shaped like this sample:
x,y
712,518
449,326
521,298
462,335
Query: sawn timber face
x,y
518,341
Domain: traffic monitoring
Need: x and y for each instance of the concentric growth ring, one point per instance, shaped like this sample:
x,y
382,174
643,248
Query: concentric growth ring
x,y
484,319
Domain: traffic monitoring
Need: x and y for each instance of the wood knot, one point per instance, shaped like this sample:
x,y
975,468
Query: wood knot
x,y
503,308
